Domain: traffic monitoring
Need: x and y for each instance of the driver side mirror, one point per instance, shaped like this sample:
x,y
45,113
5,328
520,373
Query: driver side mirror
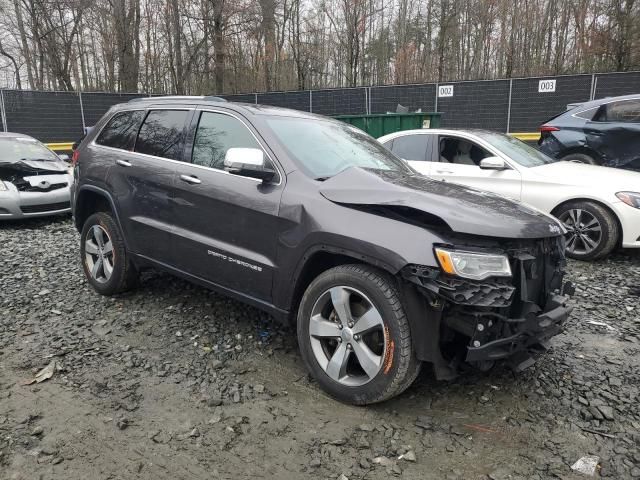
x,y
493,163
248,162
64,157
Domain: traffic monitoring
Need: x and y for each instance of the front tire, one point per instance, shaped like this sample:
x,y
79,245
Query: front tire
x,y
354,335
593,232
580,158
105,261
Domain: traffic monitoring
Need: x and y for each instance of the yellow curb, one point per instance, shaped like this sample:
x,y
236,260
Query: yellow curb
x,y
526,136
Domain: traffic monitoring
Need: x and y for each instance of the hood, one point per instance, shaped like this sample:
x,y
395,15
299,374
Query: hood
x,y
36,165
462,209
574,173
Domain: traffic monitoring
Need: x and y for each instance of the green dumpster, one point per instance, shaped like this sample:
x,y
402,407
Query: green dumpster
x,y
380,124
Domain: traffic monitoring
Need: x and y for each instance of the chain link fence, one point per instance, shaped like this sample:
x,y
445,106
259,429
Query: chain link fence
x,y
512,105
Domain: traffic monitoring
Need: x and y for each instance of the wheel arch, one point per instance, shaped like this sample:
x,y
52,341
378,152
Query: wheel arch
x,y
89,200
320,259
424,321
584,150
613,214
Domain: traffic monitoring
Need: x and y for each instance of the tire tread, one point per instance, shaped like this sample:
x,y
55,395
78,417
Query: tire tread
x,y
409,366
126,279
610,231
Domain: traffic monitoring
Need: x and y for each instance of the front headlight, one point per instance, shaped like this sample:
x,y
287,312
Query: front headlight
x,y
473,265
3,187
630,198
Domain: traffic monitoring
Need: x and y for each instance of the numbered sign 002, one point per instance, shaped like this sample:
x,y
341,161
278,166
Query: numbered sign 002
x,y
546,86
445,91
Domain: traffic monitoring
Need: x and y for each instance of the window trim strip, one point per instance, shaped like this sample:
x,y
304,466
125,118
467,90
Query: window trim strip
x,y
190,163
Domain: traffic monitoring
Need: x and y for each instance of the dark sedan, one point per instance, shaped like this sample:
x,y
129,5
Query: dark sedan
x,y
602,132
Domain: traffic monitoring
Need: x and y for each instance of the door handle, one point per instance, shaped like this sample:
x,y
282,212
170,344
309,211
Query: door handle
x,y
444,171
123,163
190,179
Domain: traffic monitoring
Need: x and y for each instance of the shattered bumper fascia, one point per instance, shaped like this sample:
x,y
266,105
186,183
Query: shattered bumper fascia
x,y
477,302
12,201
532,333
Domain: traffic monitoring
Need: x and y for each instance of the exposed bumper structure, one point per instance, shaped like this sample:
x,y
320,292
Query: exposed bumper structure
x,y
16,204
531,334
499,318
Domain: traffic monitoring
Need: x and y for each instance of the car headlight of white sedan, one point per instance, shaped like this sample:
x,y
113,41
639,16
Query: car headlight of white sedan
x,y
630,198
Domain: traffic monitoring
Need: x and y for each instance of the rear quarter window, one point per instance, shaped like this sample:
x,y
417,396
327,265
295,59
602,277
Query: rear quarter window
x,y
411,147
587,114
120,131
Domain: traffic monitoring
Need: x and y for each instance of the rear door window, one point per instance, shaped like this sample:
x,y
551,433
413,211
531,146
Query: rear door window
x,y
411,147
626,111
587,114
120,131
216,134
162,134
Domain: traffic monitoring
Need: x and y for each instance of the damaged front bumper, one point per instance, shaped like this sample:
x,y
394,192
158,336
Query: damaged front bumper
x,y
16,204
479,322
528,334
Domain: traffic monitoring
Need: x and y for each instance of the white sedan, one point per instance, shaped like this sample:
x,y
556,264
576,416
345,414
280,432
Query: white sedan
x,y
599,206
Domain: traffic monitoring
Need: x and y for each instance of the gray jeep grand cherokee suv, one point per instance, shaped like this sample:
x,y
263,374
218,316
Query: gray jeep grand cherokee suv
x,y
309,218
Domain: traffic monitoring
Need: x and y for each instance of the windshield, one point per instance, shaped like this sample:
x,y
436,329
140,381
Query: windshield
x,y
515,149
17,149
325,148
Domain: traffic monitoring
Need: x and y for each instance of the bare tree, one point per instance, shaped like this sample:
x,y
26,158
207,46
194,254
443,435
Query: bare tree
x,y
206,46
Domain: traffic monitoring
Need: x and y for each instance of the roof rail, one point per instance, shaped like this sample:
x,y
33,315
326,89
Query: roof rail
x,y
209,98
213,98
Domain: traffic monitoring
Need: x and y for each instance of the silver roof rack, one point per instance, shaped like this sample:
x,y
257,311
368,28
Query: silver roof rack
x,y
208,98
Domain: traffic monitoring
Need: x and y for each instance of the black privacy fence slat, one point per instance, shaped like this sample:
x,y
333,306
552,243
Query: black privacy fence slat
x,y
530,109
296,100
95,105
512,105
476,105
346,101
616,84
386,99
47,116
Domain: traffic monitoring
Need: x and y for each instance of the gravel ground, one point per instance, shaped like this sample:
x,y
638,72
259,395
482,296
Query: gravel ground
x,y
172,381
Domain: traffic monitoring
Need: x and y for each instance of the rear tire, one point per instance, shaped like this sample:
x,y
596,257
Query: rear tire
x,y
105,260
580,158
332,317
593,230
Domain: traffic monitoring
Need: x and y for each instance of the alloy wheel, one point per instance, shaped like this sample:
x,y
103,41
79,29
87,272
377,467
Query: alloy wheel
x,y
99,256
347,336
584,232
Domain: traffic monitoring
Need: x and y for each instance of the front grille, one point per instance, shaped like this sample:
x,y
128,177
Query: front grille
x,y
49,207
491,293
26,187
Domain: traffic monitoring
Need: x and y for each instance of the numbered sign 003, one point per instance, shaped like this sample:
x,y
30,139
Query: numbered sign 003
x,y
546,86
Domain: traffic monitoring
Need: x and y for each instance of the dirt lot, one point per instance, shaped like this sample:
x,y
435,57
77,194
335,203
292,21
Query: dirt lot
x,y
172,381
